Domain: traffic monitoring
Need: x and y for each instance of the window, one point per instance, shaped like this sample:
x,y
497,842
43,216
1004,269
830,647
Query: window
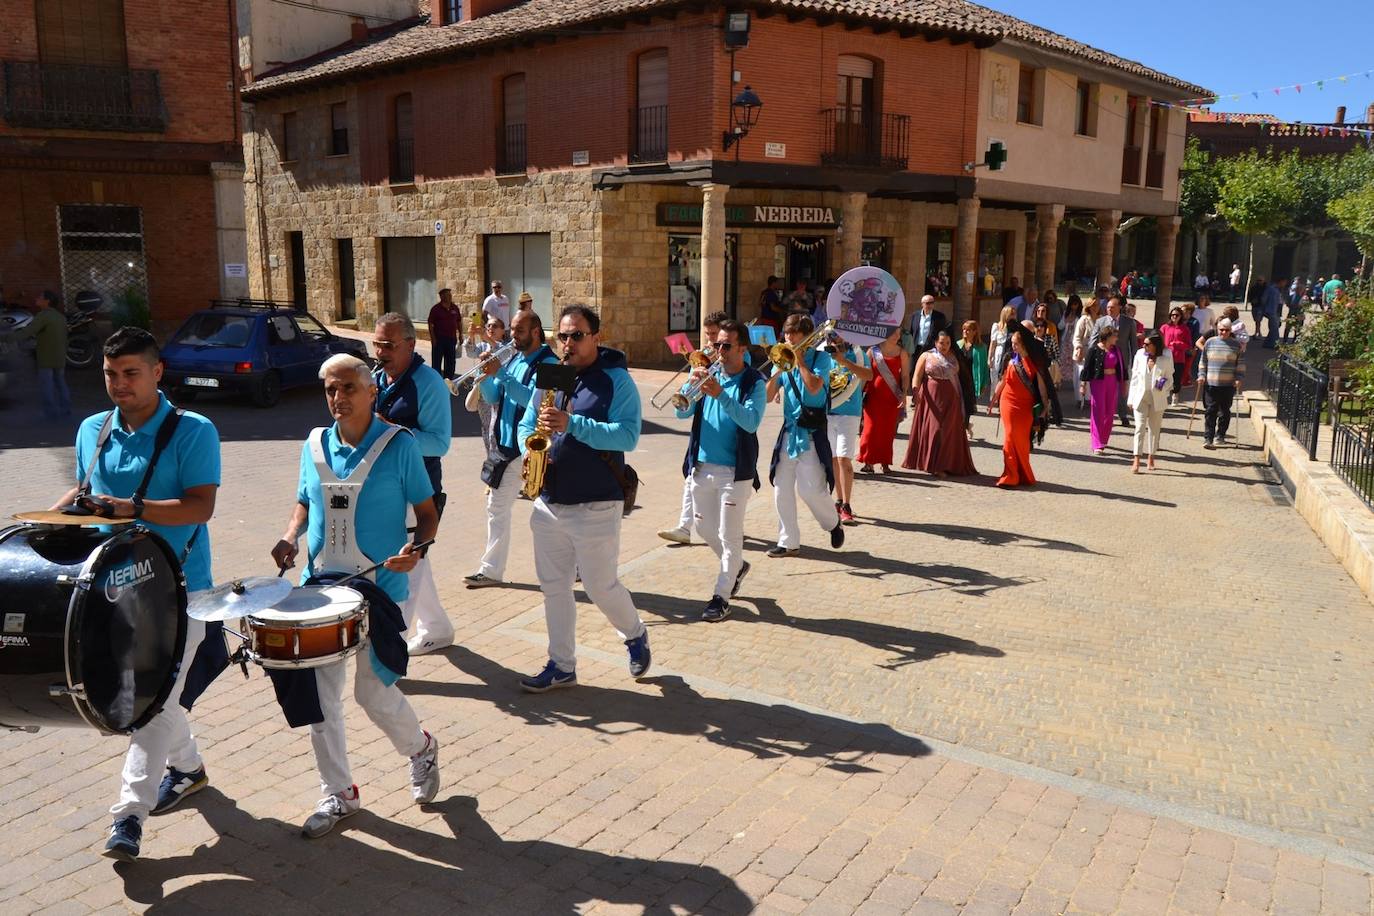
x,y
1028,86
102,252
295,242
1159,138
402,140
940,261
651,107
1085,119
876,253
81,32
684,280
288,137
451,11
338,129
510,144
1130,155
523,264
408,274
855,110
992,262
348,295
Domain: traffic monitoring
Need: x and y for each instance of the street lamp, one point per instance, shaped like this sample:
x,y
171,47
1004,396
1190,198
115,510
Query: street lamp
x,y
744,113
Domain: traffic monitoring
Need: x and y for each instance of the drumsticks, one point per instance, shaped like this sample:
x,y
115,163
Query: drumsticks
x,y
376,566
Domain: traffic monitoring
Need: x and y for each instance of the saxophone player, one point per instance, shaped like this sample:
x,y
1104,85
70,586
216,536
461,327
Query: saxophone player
x,y
575,521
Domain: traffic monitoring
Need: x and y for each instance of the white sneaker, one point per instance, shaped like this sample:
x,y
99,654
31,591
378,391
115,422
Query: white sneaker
x,y
424,772
331,810
423,643
678,535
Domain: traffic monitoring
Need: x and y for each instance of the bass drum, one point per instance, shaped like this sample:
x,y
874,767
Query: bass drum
x,y
92,626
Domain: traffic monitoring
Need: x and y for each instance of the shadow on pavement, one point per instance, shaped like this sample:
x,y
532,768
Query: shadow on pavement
x,y
268,867
908,646
988,537
764,730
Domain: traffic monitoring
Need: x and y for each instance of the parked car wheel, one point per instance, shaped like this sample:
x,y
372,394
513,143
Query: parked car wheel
x,y
268,392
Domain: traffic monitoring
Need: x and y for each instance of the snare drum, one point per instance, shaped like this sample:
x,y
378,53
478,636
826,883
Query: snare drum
x,y
313,626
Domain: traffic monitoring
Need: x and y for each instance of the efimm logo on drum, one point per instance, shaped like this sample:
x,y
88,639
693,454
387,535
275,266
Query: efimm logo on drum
x,y
128,576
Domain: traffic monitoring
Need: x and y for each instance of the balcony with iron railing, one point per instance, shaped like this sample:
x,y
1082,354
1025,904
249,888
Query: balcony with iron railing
x,y
402,161
851,136
1130,165
649,133
510,150
69,97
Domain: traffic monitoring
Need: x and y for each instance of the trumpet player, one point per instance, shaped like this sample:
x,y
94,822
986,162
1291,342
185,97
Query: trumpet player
x,y
721,464
842,424
576,519
411,394
801,462
507,390
682,534
481,342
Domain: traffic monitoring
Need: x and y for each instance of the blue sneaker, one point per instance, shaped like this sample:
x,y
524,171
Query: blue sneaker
x,y
551,678
176,786
640,656
124,839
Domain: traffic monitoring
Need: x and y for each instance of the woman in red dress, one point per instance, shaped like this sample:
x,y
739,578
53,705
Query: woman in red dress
x,y
884,396
1016,397
939,442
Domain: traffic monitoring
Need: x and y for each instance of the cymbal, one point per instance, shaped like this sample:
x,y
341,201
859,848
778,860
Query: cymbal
x,y
48,517
238,598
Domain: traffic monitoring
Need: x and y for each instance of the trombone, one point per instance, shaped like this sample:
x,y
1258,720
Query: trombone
x,y
785,356
693,390
696,359
500,354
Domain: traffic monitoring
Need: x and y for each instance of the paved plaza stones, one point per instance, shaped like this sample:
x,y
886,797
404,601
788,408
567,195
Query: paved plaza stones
x,y
1112,693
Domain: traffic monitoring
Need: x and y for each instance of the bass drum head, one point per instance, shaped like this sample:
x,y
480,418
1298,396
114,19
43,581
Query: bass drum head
x,y
132,630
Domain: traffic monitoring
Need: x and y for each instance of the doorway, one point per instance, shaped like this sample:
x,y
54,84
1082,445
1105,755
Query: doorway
x,y
807,259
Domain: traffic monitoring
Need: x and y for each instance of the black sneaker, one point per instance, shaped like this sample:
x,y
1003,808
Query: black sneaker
x,y
480,580
837,536
176,786
640,656
717,610
125,835
739,579
780,551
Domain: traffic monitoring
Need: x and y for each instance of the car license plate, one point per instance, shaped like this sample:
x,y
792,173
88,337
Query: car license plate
x,y
197,382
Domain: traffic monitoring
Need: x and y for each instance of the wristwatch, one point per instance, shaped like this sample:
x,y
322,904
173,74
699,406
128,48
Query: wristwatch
x,y
138,505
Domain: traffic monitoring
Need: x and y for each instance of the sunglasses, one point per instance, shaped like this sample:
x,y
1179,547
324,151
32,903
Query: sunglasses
x,y
383,344
725,347
574,336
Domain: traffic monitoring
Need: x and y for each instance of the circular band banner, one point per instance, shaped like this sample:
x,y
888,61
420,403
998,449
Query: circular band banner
x,y
866,303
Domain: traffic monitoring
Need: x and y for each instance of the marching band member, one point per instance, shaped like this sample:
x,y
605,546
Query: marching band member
x,y
576,519
801,458
682,534
373,471
842,424
146,460
721,463
413,395
508,390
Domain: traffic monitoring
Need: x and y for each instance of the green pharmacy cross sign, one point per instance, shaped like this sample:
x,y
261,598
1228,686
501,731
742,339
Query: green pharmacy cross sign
x,y
993,159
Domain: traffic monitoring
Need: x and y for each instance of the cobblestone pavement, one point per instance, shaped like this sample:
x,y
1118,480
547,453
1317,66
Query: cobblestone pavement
x,y
1138,694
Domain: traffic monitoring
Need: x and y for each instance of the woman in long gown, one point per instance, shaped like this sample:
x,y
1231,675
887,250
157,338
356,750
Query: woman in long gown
x,y
939,443
883,402
1103,370
1016,396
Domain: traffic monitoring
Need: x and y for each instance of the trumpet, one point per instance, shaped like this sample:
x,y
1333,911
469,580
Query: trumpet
x,y
694,389
785,356
501,354
696,359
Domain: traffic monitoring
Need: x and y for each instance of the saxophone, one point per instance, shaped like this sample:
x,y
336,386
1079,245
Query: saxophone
x,y
537,453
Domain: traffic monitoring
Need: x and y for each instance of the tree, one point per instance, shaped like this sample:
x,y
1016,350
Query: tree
x,y
1199,184
1256,195
1355,213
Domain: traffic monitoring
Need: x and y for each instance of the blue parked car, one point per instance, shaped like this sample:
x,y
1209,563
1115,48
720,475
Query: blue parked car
x,y
251,347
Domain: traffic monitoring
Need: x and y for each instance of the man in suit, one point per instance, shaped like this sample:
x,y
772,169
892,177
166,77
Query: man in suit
x,y
1128,336
925,325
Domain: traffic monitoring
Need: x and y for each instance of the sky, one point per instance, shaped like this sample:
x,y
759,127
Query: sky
x,y
1233,47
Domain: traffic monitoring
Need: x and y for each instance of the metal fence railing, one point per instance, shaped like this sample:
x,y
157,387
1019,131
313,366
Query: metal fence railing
x,y
83,98
852,135
1299,393
1352,458
402,160
649,133
511,149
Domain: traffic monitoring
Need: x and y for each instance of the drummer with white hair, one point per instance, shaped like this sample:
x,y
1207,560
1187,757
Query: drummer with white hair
x,y
372,471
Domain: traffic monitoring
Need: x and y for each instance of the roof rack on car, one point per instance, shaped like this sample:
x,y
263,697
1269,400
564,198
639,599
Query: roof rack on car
x,y
251,304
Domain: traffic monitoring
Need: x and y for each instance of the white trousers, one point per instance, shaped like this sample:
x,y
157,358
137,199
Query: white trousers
x,y
1149,424
422,608
165,741
805,476
718,505
685,520
580,538
500,502
387,707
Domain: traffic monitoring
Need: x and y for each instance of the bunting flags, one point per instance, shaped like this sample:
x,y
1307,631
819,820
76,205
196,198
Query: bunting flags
x,y
1278,90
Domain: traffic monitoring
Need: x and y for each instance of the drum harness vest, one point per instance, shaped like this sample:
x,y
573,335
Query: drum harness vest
x,y
341,552
165,432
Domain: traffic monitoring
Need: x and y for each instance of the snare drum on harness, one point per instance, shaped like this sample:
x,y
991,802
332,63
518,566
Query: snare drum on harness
x,y
313,626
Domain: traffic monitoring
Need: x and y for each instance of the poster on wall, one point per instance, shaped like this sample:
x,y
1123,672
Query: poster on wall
x,y
866,303
682,306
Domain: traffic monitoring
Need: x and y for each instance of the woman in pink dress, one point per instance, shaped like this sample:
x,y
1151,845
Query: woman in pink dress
x,y
1103,370
939,443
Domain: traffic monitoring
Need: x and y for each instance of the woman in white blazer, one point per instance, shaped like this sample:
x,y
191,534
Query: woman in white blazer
x,y
1152,374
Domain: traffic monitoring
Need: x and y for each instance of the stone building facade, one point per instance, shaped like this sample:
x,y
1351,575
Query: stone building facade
x,y
576,149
